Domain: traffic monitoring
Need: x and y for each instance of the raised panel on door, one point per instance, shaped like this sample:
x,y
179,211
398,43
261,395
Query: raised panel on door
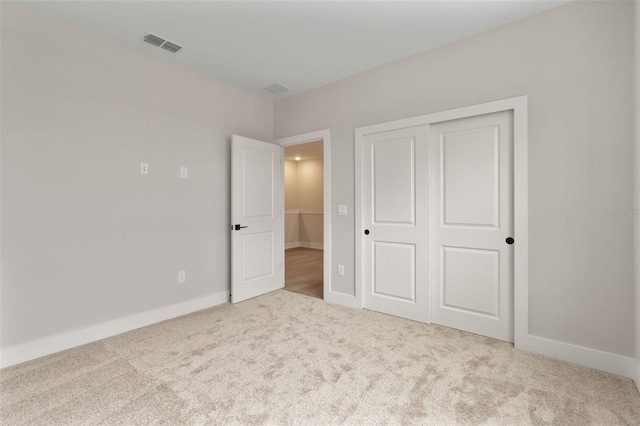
x,y
395,271
471,280
257,183
257,246
472,216
470,160
393,180
395,208
257,255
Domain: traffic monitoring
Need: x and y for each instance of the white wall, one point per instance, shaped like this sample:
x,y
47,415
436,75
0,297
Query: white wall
x,y
292,217
85,237
304,190
310,184
575,63
290,185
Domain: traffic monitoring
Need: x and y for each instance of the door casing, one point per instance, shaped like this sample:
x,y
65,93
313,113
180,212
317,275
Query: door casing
x,y
325,135
520,186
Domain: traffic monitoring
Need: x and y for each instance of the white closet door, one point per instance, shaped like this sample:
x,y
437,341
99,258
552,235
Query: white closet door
x,y
472,223
395,222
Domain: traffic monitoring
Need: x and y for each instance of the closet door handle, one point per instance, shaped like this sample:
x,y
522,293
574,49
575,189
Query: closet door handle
x,y
237,227
510,240
366,232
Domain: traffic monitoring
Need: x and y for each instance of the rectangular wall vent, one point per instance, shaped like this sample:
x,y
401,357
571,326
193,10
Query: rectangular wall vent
x,y
277,88
160,42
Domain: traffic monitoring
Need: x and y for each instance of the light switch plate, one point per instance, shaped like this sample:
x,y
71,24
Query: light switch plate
x,y
184,172
340,269
342,210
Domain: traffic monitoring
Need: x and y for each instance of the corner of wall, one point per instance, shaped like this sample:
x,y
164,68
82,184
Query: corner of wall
x,y
636,25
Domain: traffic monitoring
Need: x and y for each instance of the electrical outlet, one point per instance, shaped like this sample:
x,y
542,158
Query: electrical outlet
x,y
340,270
144,168
184,172
182,276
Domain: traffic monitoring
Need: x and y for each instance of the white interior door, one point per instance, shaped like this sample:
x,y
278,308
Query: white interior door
x,y
257,230
395,222
472,218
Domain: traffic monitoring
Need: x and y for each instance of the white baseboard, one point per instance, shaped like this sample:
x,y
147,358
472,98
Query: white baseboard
x,y
59,342
587,357
341,299
317,246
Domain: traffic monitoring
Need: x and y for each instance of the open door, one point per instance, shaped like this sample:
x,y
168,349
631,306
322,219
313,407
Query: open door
x,y
257,227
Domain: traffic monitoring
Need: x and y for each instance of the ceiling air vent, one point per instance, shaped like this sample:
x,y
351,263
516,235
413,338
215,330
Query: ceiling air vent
x,y
160,42
151,39
277,88
171,47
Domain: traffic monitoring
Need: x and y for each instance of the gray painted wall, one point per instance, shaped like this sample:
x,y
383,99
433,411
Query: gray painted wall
x,y
575,63
85,237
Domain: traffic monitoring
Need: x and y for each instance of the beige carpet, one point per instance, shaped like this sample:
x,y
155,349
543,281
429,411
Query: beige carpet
x,y
285,358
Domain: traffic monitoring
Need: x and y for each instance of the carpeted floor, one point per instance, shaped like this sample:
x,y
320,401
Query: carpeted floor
x,y
285,358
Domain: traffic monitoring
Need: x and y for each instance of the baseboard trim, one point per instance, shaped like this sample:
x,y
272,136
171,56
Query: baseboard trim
x,y
587,357
316,246
41,347
341,299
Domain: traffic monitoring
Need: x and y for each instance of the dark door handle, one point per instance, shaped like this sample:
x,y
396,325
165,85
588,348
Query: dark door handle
x,y
366,232
510,240
237,227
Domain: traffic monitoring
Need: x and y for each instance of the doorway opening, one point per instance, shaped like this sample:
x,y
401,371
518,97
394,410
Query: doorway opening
x,y
304,218
322,214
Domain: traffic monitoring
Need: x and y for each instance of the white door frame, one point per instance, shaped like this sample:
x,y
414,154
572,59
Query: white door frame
x,y
325,135
520,187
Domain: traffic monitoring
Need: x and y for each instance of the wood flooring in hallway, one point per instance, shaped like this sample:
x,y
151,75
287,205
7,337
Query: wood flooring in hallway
x,y
304,271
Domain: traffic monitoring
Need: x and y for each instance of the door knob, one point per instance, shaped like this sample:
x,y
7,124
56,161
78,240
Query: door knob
x,y
510,240
237,227
366,232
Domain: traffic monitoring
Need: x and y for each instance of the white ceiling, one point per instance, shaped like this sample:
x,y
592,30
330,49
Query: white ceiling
x,y
303,44
306,151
